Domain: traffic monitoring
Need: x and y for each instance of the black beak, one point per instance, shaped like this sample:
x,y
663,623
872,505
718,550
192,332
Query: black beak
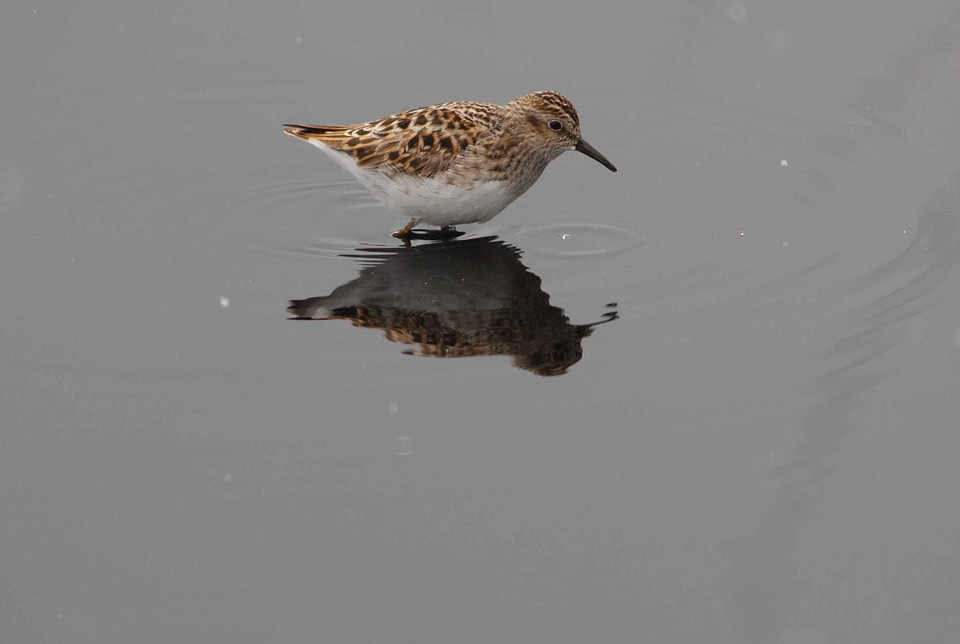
x,y
590,151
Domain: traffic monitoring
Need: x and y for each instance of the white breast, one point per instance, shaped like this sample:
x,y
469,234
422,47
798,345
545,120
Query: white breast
x,y
434,201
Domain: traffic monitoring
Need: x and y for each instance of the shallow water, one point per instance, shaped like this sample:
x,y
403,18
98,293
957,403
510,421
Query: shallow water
x,y
710,398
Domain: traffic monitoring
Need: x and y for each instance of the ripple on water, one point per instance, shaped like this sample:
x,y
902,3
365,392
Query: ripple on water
x,y
578,240
281,217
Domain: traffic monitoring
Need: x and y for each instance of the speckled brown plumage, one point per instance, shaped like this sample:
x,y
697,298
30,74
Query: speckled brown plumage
x,y
423,142
457,162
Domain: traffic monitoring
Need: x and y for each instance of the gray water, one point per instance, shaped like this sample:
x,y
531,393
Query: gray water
x,y
710,398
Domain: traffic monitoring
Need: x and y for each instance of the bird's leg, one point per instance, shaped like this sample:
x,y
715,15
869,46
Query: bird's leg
x,y
404,233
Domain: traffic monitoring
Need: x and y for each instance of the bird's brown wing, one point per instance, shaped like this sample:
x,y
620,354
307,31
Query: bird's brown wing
x,y
422,142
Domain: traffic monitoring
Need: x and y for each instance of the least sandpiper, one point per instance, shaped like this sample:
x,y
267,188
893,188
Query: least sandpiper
x,y
455,163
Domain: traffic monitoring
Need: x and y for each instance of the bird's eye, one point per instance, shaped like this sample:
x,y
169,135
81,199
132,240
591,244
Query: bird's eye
x,y
556,126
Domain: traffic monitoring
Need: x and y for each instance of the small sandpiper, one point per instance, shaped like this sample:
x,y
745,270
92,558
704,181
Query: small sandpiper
x,y
454,163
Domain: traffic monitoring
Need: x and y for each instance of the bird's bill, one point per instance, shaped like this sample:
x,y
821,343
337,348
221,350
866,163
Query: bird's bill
x,y
590,151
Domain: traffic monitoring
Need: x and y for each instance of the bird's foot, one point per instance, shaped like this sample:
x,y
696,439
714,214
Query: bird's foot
x,y
444,233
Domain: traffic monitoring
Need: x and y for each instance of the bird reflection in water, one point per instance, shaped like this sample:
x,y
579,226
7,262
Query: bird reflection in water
x,y
456,299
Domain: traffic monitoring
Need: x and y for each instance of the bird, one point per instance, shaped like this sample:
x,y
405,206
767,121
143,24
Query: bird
x,y
454,163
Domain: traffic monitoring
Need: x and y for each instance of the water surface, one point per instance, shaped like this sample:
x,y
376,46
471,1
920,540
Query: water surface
x,y
710,398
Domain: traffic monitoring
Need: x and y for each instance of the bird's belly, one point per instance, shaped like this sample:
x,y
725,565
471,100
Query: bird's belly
x,y
437,202
432,200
